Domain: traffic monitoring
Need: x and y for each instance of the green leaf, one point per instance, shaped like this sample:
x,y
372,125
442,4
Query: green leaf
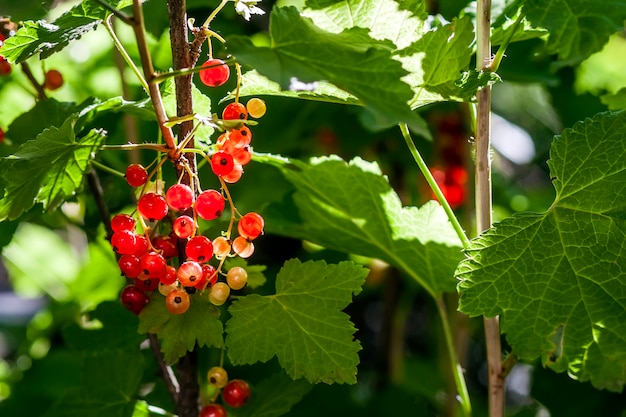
x,y
255,272
557,278
351,207
46,38
302,324
302,54
273,397
504,26
110,384
48,170
180,333
577,28
615,101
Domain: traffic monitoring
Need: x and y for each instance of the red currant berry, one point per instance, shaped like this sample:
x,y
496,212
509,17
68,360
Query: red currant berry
x,y
251,225
5,67
124,242
242,156
236,278
184,227
240,137
179,197
153,264
235,175
53,80
1,135
189,273
134,299
214,73
217,376
147,285
129,265
210,204
209,278
136,175
122,222
222,163
243,247
236,393
213,410
221,247
170,275
166,245
235,111
152,206
199,249
141,246
177,301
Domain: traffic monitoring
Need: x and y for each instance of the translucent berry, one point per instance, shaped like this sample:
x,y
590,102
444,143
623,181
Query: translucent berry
x,y
129,265
136,175
170,275
152,206
213,410
256,107
237,278
184,227
53,80
214,73
221,247
153,265
5,67
189,273
217,376
147,285
240,137
199,249
236,393
222,163
209,278
165,244
177,301
122,222
123,242
179,197
165,289
220,292
243,247
235,111
235,175
133,298
1,135
242,156
251,225
210,204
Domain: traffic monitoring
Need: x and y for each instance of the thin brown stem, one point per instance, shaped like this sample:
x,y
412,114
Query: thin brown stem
x,y
41,92
484,200
149,73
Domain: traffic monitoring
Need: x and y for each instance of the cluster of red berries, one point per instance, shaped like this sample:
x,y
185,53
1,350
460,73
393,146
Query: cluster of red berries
x,y
235,393
147,258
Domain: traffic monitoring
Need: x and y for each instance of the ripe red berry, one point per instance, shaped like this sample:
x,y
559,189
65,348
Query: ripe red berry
x,y
1,135
129,265
235,111
236,393
170,275
134,299
165,244
153,265
177,301
136,175
240,137
235,175
184,227
210,204
5,67
124,242
213,410
243,155
122,222
53,80
209,278
141,245
199,249
251,225
147,285
179,197
152,206
222,163
214,73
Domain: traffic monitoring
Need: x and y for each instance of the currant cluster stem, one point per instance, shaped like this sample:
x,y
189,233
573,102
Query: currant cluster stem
x,y
484,199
